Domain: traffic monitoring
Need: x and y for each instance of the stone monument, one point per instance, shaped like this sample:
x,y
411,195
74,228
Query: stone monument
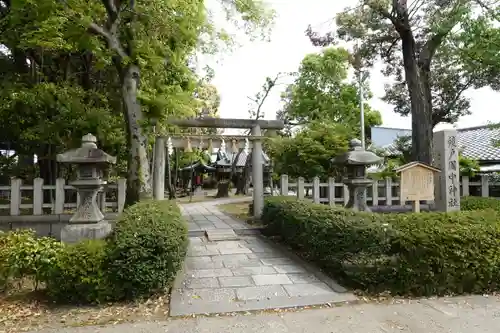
x,y
88,221
447,185
416,183
356,160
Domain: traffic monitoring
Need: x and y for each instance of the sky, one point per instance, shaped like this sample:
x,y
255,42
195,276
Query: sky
x,y
242,73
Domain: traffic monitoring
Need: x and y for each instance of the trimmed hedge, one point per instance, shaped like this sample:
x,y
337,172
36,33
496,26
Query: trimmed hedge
x,y
479,203
140,257
146,249
415,253
78,275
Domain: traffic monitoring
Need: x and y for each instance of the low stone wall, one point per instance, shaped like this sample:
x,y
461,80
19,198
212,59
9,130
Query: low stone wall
x,y
43,225
401,209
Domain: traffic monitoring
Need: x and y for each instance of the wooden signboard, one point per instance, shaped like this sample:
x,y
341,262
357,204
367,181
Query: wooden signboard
x,y
416,183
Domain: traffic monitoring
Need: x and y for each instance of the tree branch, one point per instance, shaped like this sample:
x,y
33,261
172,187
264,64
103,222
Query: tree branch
x,y
398,24
438,117
112,41
111,10
430,47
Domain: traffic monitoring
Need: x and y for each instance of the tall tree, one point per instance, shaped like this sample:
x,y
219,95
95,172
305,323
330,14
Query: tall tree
x,y
322,91
309,152
70,58
422,44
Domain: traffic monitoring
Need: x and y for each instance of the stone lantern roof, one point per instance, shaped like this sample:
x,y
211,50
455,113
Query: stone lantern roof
x,y
357,155
88,153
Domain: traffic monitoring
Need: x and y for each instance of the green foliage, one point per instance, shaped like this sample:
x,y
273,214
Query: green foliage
x,y
479,203
146,249
321,92
401,154
78,275
61,77
414,253
23,255
141,256
451,48
309,152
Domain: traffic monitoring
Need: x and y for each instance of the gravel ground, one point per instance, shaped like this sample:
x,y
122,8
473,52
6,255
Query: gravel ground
x,y
471,314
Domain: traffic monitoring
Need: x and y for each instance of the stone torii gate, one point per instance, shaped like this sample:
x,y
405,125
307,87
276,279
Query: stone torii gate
x,y
215,141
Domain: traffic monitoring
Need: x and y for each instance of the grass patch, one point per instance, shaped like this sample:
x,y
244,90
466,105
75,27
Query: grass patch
x,y
239,211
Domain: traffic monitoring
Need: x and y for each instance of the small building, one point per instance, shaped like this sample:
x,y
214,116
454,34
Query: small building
x,y
478,143
193,175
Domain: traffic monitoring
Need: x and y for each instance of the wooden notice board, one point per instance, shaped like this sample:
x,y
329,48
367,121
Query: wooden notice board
x,y
416,183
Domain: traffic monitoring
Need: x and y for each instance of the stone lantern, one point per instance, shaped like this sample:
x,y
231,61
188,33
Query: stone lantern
x,y
356,160
88,221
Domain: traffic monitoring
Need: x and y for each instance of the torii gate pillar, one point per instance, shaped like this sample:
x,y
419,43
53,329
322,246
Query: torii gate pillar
x,y
257,173
257,163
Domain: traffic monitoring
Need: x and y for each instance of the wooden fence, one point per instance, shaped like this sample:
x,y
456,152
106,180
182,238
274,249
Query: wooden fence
x,y
21,199
380,193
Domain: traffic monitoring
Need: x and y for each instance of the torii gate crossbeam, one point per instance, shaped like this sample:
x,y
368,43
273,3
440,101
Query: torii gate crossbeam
x,y
257,164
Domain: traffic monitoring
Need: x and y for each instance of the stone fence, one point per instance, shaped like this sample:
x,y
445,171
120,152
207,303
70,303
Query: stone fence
x,y
381,193
23,205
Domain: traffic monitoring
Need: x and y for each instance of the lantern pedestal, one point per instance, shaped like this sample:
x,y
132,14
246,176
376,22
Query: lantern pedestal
x,y
88,211
73,233
357,194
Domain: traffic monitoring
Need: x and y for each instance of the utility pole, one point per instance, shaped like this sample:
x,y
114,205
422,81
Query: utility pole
x,y
362,110
362,76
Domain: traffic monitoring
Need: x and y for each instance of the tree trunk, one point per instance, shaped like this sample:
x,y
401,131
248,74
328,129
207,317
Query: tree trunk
x,y
138,177
420,112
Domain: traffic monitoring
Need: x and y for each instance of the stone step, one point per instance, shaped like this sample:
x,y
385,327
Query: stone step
x,y
214,235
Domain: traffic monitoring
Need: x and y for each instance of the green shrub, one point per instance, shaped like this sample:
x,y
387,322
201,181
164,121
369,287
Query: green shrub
x,y
415,253
78,275
479,203
146,249
24,255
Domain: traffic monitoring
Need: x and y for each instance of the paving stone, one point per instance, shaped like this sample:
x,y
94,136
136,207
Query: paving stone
x,y
241,271
303,278
202,250
265,255
310,289
236,260
222,225
193,227
289,269
236,281
260,293
230,258
234,250
202,263
243,263
221,235
233,244
270,279
205,225
216,272
257,248
202,283
212,295
195,241
277,261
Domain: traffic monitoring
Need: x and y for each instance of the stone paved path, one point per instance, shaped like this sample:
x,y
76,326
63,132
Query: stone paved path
x,y
249,273
472,314
202,216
